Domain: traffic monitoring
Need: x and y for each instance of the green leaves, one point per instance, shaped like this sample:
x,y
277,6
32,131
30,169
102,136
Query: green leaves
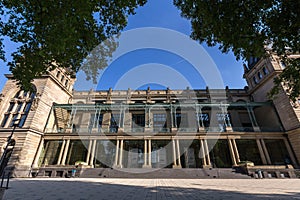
x,y
247,27
58,33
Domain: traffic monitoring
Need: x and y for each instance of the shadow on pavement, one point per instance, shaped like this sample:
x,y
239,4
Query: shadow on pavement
x,y
128,189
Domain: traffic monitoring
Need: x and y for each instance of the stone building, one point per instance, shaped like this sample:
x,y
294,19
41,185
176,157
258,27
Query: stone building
x,y
59,128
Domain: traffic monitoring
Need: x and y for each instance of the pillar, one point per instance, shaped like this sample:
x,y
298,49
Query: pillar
x,y
149,153
266,151
65,152
121,155
178,153
237,155
93,153
202,150
261,152
61,152
89,152
232,154
38,155
145,153
291,154
117,154
174,153
207,152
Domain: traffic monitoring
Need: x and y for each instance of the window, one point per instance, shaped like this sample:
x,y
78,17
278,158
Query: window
x,y
20,104
138,122
11,106
204,119
66,83
22,120
265,71
282,64
18,108
160,122
4,120
96,121
58,74
182,120
254,80
259,75
224,119
114,123
17,95
13,121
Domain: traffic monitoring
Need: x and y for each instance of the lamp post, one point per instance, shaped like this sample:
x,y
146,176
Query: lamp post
x,y
9,140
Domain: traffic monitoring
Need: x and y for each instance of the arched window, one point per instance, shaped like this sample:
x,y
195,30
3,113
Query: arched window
x,y
18,108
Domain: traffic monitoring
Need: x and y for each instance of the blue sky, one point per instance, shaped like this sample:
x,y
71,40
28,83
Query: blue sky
x,y
158,13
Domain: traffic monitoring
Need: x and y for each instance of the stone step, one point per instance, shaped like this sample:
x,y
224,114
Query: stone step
x,y
162,173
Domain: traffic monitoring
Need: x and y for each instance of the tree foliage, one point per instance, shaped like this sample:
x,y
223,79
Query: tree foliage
x,y
60,33
246,27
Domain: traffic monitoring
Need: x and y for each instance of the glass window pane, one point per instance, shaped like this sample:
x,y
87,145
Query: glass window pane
x,y
248,151
219,154
277,152
52,149
27,107
4,120
159,121
77,151
19,106
22,120
13,121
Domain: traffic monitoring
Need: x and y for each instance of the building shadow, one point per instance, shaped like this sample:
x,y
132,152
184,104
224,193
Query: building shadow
x,y
139,189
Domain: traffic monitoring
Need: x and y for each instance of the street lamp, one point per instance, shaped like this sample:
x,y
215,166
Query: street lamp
x,y
9,140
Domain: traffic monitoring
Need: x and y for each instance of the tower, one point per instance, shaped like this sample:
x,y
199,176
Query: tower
x,y
259,75
32,110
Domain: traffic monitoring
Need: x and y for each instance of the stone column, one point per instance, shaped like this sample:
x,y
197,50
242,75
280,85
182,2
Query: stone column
x,y
145,152
38,155
147,157
93,153
121,155
202,150
266,151
63,162
232,154
61,152
174,154
207,153
117,155
149,153
237,155
261,152
178,153
293,159
89,152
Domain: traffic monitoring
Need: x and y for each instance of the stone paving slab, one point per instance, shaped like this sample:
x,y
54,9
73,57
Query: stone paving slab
x,y
150,189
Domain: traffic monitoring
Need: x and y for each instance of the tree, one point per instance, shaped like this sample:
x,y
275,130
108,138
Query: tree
x,y
61,33
246,27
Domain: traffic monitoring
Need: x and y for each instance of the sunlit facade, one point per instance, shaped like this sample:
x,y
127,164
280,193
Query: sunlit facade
x,y
60,128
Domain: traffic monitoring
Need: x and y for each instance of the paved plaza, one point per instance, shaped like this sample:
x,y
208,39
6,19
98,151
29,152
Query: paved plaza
x,y
148,189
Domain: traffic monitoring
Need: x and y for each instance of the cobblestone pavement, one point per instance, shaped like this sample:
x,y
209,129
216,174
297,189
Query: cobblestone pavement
x,y
148,189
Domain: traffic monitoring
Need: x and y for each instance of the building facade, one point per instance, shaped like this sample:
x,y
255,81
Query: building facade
x,y
209,128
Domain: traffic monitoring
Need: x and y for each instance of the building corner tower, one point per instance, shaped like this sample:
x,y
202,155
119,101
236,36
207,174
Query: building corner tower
x,y
31,110
259,75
